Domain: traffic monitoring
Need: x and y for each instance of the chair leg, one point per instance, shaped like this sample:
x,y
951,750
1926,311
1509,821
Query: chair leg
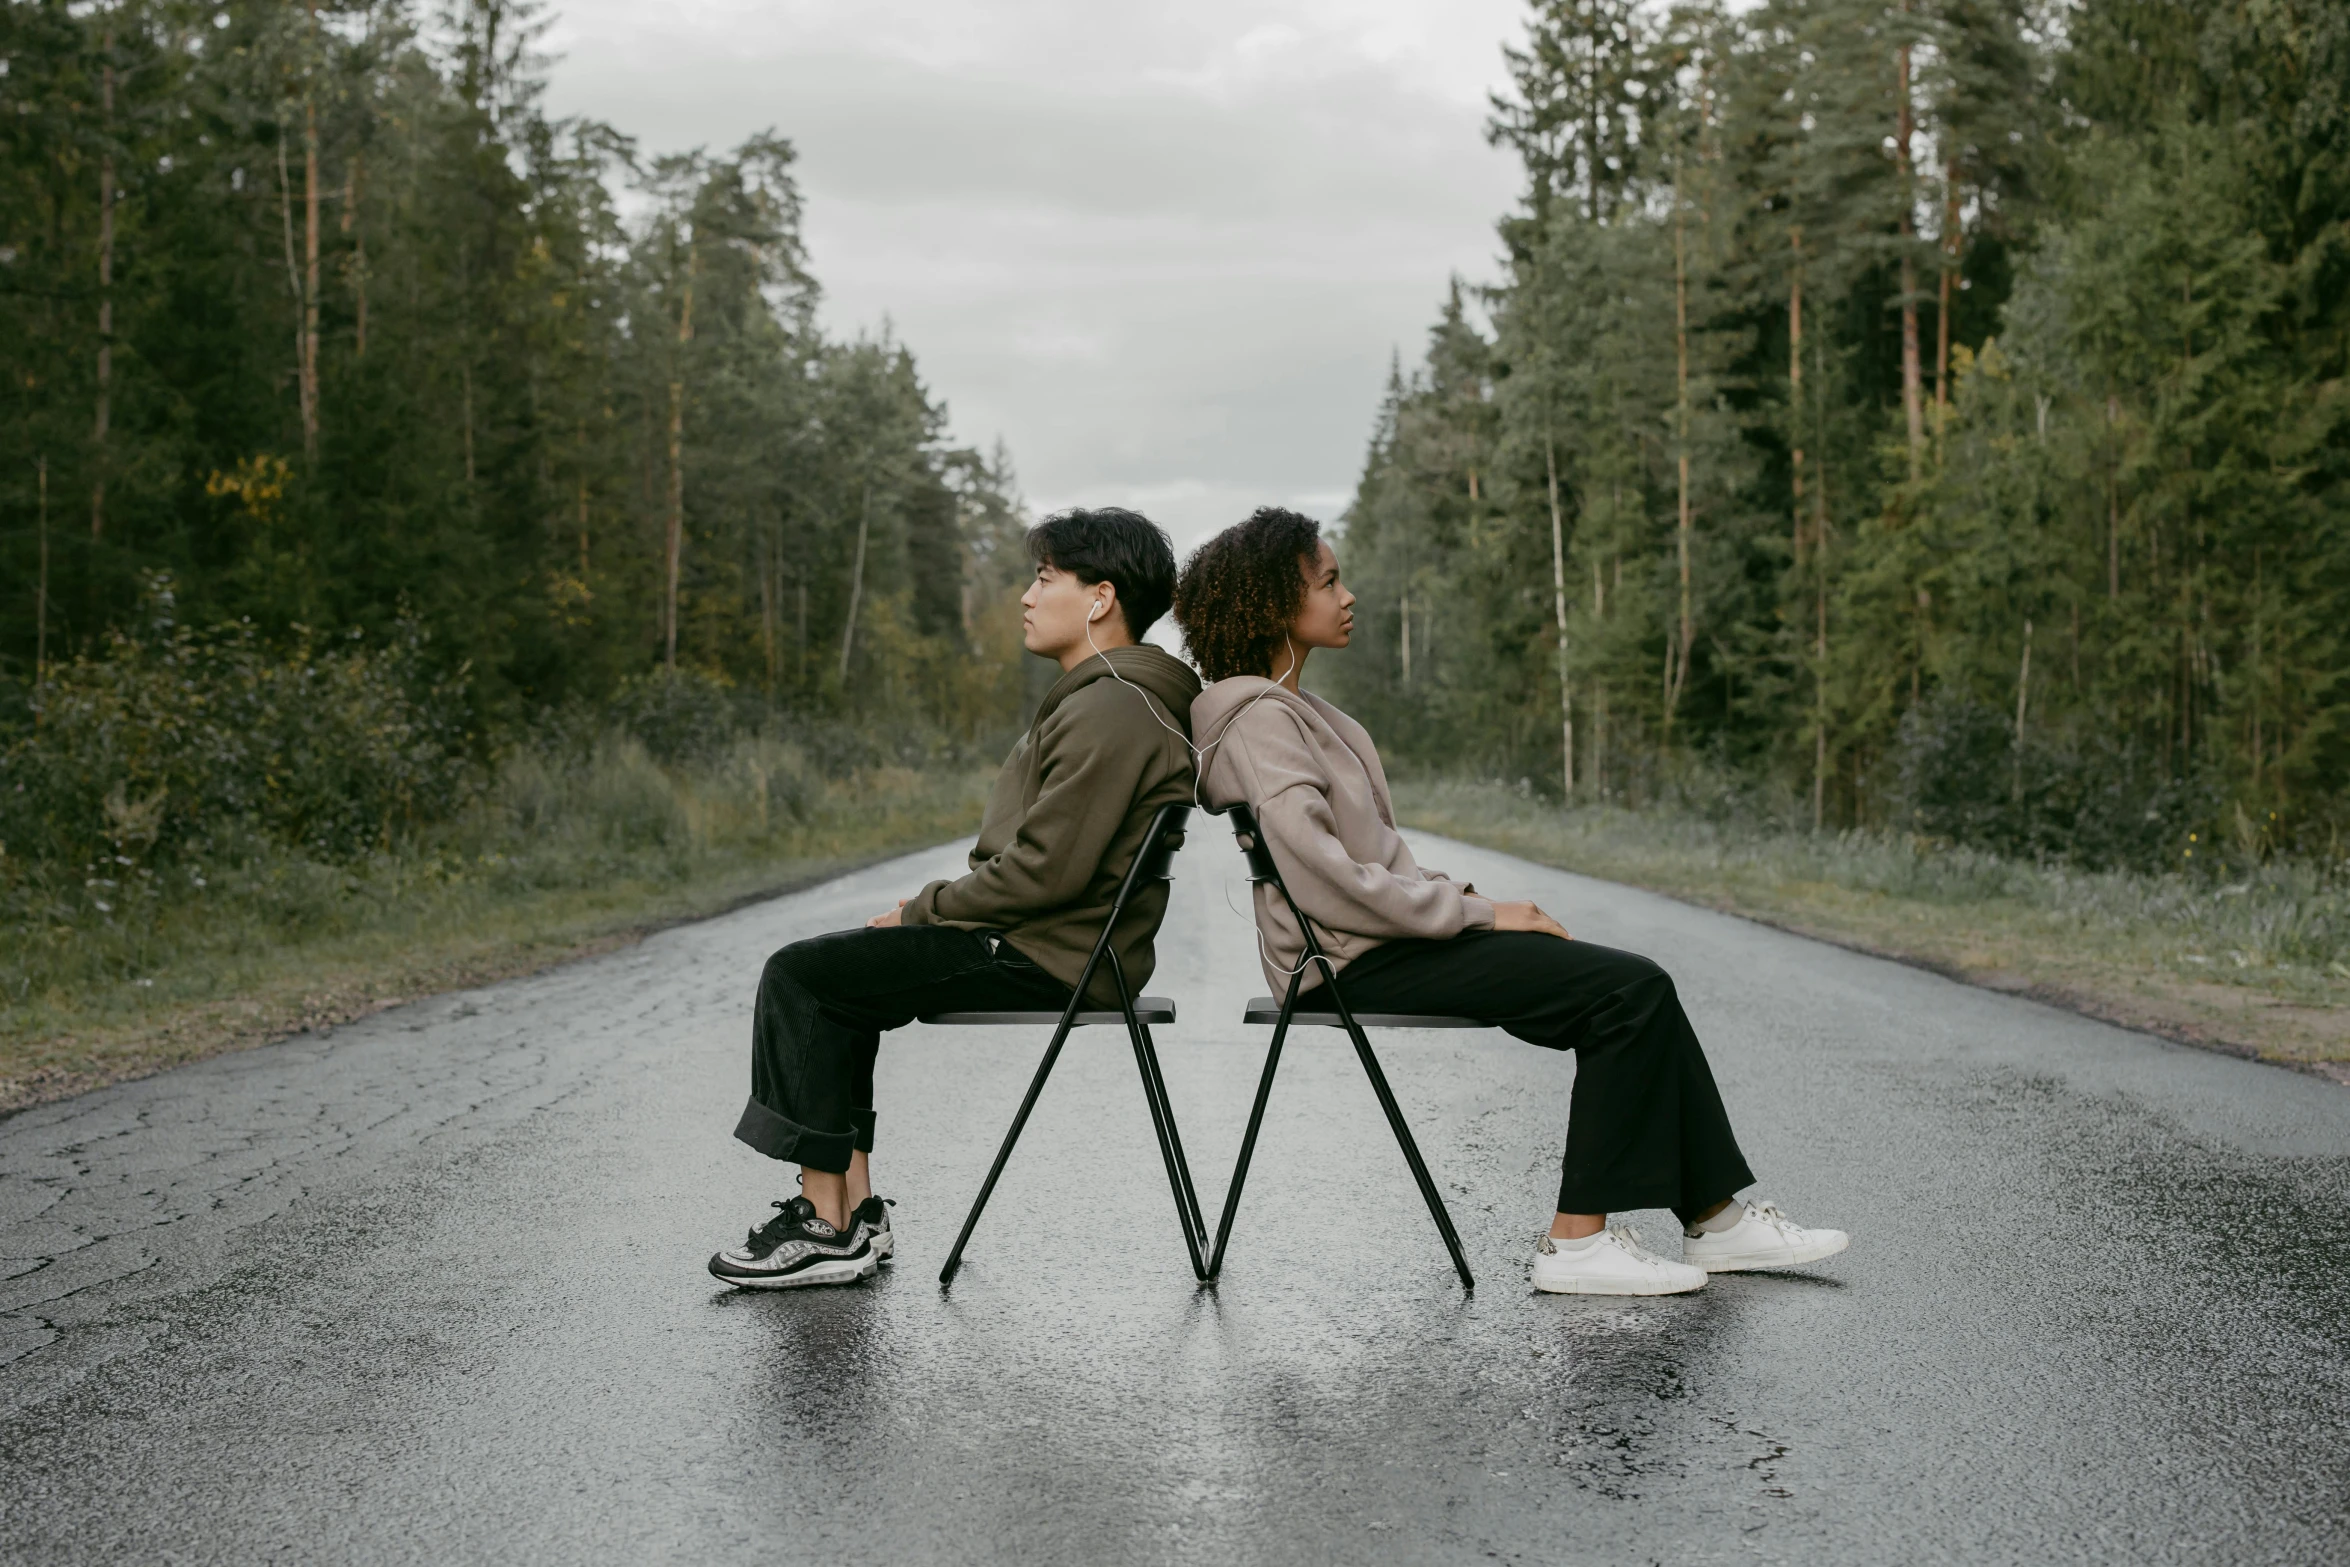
x,y
946,1275
1154,1093
1158,1083
1248,1142
1170,1151
1411,1151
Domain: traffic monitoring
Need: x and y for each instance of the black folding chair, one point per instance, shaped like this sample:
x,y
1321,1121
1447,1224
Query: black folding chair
x,y
1327,1008
1138,1014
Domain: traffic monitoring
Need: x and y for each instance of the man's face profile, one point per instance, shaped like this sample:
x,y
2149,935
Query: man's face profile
x,y
1054,611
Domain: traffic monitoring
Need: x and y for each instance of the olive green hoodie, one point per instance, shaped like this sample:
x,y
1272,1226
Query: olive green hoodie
x,y
1068,812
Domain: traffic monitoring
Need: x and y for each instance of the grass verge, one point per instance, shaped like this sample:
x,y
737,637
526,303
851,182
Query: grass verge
x,y
2258,967
548,869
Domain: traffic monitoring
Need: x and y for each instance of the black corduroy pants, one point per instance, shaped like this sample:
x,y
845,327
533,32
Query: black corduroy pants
x,y
823,1004
1646,1127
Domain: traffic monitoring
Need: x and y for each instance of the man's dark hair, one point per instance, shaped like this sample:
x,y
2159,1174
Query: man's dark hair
x,y
1240,591
1111,544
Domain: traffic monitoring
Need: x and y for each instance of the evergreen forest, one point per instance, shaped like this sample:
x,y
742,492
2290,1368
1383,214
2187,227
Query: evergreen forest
x,y
1910,414
363,421
1906,441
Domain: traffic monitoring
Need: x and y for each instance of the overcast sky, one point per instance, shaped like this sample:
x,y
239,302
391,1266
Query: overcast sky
x,y
1163,251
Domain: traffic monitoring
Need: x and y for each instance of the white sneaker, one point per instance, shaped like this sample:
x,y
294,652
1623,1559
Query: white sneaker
x,y
1763,1237
1615,1263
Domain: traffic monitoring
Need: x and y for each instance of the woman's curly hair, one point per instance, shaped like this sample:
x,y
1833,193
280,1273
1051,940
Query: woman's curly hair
x,y
1240,591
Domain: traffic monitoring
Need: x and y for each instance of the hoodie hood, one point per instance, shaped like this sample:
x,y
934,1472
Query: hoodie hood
x,y
1219,704
1153,668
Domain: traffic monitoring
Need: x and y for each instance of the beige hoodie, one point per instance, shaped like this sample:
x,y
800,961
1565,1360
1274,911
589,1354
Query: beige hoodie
x,y
1312,777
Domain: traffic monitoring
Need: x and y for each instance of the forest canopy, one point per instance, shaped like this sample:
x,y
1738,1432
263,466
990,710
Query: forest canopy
x,y
315,322
1925,414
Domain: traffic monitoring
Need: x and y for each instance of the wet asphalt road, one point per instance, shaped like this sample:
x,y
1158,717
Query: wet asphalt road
x,y
431,1289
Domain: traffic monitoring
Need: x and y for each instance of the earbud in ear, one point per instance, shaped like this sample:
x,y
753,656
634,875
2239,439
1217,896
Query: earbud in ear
x,y
1094,613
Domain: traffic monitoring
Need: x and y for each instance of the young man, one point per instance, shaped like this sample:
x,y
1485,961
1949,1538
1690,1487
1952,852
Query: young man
x,y
1107,748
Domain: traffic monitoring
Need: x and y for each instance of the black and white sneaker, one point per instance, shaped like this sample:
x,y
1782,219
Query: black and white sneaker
x,y
795,1248
870,1224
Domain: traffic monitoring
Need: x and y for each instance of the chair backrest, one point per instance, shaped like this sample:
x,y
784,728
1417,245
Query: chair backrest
x,y
1155,857
1151,863
1252,845
1262,869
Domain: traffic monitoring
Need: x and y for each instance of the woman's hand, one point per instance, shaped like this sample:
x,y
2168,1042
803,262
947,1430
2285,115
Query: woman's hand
x,y
1525,916
889,921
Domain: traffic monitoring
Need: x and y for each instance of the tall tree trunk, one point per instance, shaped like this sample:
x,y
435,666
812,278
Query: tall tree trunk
x,y
2257,661
465,391
353,183
1591,115
1795,382
2113,500
1596,773
582,505
1950,265
848,634
770,650
41,590
99,437
310,274
1678,668
1558,583
285,215
673,543
1819,529
2023,691
1912,383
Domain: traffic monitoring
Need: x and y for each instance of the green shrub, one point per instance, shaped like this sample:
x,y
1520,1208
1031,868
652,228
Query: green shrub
x,y
324,784
165,746
2088,799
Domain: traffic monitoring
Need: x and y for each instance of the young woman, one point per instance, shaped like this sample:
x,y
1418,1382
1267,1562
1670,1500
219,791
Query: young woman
x,y
1647,1128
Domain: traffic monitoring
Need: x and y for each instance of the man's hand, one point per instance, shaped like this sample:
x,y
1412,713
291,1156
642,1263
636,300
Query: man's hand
x,y
1525,916
887,921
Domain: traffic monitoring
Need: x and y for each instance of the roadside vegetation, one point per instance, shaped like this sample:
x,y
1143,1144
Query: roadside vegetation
x,y
205,844
2250,953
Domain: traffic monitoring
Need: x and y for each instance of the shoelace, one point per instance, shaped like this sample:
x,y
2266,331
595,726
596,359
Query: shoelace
x,y
1629,1239
1769,1213
770,1235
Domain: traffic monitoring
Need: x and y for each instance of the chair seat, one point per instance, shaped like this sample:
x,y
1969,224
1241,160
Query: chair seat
x,y
1150,1009
1266,1010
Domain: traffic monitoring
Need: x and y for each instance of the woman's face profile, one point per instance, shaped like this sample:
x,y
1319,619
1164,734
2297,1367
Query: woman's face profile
x,y
1327,617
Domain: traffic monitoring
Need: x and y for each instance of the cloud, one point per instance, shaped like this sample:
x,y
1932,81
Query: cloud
x,y
1163,252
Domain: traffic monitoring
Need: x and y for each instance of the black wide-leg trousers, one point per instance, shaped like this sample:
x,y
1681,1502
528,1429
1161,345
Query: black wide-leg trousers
x,y
1646,1127
823,1004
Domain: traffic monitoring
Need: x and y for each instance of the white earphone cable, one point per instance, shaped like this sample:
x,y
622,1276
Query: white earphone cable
x,y
1199,759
